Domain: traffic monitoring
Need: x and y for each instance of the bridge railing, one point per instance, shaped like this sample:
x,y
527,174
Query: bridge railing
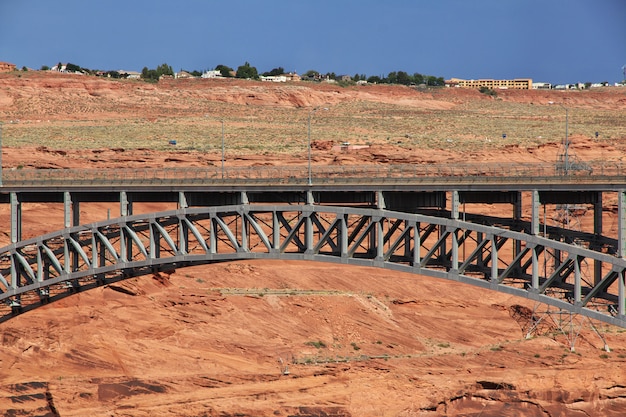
x,y
456,172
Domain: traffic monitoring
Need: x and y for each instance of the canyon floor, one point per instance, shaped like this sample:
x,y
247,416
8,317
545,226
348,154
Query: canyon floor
x,y
285,338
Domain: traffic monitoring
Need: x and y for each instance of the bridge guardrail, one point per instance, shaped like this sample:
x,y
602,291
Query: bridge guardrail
x,y
391,173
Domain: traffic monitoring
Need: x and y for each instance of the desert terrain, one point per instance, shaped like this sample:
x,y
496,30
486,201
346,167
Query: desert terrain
x,y
254,338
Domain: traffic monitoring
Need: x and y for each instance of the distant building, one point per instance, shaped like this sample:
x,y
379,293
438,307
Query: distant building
x,y
283,78
579,86
274,78
59,67
7,67
131,75
292,76
515,84
316,77
212,74
183,74
542,86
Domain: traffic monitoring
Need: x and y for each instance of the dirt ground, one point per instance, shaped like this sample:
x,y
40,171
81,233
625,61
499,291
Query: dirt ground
x,y
254,338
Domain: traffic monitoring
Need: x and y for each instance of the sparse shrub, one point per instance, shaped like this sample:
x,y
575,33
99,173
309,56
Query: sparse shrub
x,y
488,91
319,344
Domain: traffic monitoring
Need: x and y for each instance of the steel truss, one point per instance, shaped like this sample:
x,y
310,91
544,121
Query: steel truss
x,y
39,270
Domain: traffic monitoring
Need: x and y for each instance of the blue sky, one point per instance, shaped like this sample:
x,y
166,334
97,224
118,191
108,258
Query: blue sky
x,y
558,41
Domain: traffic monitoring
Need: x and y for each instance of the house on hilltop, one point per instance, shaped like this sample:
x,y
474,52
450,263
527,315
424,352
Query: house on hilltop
x,y
67,68
212,74
7,67
183,74
59,67
292,76
131,75
274,78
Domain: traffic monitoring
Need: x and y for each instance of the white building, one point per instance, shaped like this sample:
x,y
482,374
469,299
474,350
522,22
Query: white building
x,y
131,75
274,78
211,74
542,86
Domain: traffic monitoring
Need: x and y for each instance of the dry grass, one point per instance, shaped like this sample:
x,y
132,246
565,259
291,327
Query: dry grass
x,y
476,123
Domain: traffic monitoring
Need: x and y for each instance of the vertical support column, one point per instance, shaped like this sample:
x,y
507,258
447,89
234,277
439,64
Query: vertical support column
x,y
275,232
494,260
597,230
308,232
577,283
621,289
94,252
535,205
155,242
408,227
535,267
309,197
417,245
67,257
480,259
126,207
213,236
67,209
183,235
343,235
379,239
71,218
455,250
16,218
517,216
125,254
182,200
621,224
380,201
245,228
443,248
454,204
71,210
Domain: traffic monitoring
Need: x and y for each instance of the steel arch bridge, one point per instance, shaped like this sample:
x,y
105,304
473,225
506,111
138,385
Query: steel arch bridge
x,y
39,270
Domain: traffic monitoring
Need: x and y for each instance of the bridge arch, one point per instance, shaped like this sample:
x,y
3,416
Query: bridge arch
x,y
38,270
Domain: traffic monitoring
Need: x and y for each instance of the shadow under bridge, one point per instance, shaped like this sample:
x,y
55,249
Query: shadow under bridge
x,y
39,270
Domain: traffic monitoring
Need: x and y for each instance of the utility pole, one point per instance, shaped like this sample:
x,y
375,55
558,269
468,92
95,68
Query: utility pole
x,y
223,149
313,110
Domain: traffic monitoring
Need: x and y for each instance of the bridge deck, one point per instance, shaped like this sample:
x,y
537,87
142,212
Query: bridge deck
x,y
321,206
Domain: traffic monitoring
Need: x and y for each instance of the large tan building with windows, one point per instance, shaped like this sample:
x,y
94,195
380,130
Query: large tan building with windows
x,y
516,84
